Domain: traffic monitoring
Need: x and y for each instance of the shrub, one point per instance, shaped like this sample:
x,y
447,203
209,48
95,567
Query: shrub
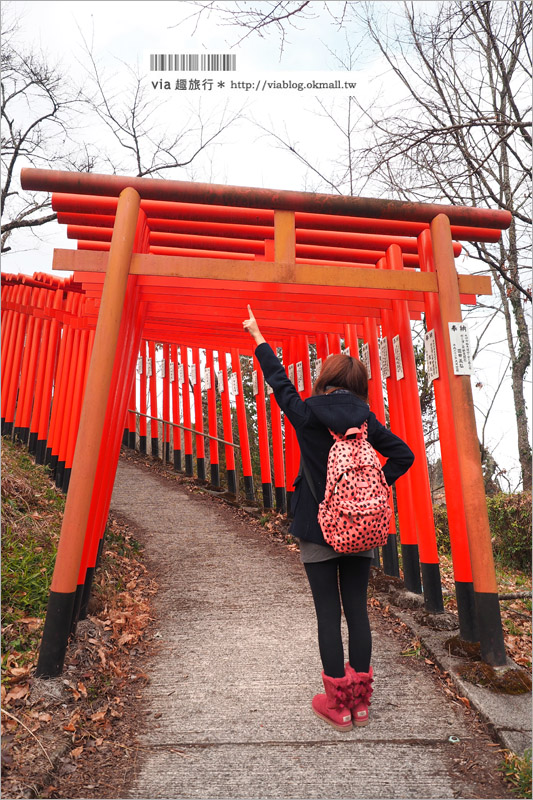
x,y
510,525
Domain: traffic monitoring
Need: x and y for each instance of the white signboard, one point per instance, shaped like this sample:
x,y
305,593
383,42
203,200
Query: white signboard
x,y
140,365
290,371
172,371
181,374
460,344
270,390
234,386
220,381
384,357
347,351
148,367
365,358
207,378
192,374
300,375
397,358
162,368
318,367
255,388
432,362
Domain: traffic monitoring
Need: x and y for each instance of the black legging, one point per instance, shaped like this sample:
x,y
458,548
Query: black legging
x,y
351,574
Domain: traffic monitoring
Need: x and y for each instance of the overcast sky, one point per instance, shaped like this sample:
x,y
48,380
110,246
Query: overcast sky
x,y
124,34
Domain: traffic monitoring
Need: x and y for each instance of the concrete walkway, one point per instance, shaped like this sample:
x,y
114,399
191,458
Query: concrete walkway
x,y
231,686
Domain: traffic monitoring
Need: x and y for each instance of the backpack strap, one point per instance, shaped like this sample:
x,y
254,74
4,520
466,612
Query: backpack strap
x,y
360,433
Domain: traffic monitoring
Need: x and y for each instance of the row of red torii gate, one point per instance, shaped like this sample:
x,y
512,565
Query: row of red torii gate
x,y
176,264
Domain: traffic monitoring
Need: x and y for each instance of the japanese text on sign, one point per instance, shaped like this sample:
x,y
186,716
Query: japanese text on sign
x,y
300,375
162,368
220,381
140,365
290,370
255,388
384,357
318,367
148,367
365,358
181,373
398,363
234,385
207,378
171,370
432,362
460,344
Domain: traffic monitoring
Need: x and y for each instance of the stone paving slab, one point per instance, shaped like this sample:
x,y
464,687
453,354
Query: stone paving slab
x,y
230,691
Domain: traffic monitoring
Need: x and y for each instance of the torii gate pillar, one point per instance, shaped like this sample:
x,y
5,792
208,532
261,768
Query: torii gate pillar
x,y
475,504
84,466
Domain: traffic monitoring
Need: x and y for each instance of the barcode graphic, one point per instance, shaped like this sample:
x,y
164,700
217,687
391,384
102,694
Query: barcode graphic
x,y
191,62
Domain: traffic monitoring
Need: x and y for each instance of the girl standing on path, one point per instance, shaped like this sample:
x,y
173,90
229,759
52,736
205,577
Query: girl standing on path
x,y
338,402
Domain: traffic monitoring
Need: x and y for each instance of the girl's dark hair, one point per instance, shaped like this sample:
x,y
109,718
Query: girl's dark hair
x,y
343,372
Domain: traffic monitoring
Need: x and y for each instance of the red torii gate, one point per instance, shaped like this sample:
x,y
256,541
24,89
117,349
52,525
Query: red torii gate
x,y
161,258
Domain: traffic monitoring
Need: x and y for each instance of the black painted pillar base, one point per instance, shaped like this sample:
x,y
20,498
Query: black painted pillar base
x,y
376,561
32,444
48,455
490,629
3,423
60,472
132,439
432,588
155,446
86,592
411,568
289,504
249,488
391,564
142,445
76,609
55,634
177,460
53,465
267,495
200,468
66,478
125,437
40,451
281,499
215,475
167,452
231,477
466,611
7,428
189,471
21,435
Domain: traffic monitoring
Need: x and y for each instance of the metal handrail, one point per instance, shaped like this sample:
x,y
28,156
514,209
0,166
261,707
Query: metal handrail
x,y
184,427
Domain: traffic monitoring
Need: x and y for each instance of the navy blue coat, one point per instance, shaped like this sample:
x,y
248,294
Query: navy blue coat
x,y
311,419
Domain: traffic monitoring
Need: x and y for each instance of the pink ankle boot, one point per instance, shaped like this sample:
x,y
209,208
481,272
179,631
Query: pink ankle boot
x,y
333,707
361,692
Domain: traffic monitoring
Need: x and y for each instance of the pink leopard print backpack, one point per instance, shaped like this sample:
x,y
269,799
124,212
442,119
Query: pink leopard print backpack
x,y
356,512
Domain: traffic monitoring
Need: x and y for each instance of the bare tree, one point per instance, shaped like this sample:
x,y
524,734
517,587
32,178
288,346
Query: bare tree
x,y
39,108
153,136
45,116
466,135
461,132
